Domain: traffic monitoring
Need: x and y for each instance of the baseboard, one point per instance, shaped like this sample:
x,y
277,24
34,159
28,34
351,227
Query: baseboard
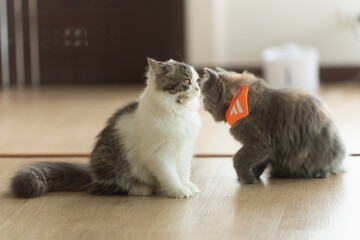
x,y
339,74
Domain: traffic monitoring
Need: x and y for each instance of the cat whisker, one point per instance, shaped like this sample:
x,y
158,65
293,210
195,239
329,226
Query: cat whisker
x,y
205,100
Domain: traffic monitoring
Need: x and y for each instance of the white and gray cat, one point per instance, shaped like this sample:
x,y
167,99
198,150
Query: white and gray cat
x,y
285,128
148,144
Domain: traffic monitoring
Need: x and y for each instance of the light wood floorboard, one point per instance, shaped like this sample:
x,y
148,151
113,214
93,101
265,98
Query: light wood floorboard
x,y
63,119
225,209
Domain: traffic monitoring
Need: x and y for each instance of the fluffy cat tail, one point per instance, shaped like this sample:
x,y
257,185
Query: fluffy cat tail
x,y
37,179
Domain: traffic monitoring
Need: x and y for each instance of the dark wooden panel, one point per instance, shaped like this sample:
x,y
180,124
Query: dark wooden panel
x,y
340,74
25,15
106,40
11,32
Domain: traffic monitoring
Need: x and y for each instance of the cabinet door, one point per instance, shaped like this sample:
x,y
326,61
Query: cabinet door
x,y
106,41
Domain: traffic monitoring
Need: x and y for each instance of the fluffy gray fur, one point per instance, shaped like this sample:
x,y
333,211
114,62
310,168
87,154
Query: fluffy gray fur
x,y
285,128
108,172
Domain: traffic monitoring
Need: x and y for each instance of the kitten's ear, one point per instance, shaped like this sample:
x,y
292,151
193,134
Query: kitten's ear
x,y
159,67
219,69
211,73
152,63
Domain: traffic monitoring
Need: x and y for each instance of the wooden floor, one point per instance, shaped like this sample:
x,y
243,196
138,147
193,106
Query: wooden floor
x,y
224,209
66,120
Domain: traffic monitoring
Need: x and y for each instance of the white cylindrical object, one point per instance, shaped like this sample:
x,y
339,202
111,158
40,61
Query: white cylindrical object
x,y
292,65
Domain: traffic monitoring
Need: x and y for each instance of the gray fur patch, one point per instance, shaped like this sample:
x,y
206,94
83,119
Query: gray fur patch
x,y
109,166
37,179
287,129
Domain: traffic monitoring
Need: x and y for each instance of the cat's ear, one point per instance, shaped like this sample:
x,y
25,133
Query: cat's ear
x,y
219,69
153,64
159,67
210,73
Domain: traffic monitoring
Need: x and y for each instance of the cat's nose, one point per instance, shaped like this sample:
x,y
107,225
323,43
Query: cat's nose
x,y
197,89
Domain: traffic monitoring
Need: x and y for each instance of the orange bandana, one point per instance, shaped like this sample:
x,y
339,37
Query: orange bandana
x,y
238,107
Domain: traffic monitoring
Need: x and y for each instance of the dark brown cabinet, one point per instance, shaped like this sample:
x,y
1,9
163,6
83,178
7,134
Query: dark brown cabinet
x,y
103,41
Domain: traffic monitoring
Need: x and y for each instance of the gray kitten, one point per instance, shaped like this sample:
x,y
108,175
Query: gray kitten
x,y
285,128
148,144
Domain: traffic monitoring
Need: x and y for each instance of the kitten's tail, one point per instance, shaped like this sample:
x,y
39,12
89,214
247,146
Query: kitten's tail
x,y
37,179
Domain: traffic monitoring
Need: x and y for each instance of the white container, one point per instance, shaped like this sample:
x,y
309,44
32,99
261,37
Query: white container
x,y
292,65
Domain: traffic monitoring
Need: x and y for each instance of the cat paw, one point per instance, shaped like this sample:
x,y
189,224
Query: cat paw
x,y
247,177
140,190
194,189
183,192
248,180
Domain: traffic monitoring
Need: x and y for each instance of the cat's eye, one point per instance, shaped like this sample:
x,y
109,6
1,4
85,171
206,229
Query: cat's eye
x,y
187,82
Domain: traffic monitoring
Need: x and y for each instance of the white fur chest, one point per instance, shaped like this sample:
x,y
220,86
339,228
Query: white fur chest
x,y
174,125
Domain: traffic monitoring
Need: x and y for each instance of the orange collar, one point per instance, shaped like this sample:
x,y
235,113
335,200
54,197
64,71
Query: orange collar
x,y
238,108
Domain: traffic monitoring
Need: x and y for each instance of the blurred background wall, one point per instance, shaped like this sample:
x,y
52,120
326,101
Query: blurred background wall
x,y
234,32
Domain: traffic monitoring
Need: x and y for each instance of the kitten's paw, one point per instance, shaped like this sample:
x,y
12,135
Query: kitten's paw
x,y
183,192
321,174
247,177
248,180
194,189
140,190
